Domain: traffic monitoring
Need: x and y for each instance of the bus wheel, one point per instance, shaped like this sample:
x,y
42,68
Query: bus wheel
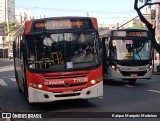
x,y
25,88
132,81
19,89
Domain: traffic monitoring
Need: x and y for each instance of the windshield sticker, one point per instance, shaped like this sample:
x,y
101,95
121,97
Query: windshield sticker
x,y
69,65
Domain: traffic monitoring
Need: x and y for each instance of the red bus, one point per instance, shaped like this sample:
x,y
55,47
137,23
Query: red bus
x,y
58,59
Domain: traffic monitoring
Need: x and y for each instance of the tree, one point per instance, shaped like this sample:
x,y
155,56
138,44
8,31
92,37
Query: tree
x,y
12,27
150,27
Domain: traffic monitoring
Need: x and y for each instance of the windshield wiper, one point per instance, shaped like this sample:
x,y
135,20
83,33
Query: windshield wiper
x,y
48,36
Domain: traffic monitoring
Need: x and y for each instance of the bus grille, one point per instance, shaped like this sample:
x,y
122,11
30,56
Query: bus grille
x,y
62,86
128,73
68,95
49,77
65,77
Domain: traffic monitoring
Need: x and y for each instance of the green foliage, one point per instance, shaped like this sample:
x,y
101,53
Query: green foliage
x,y
12,27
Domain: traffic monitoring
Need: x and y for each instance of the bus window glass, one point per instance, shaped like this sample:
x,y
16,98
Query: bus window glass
x,y
131,49
54,50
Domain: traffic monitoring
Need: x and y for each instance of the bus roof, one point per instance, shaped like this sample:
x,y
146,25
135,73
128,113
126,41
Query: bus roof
x,y
108,33
63,17
26,27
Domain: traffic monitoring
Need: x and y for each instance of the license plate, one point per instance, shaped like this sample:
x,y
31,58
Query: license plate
x,y
134,74
67,92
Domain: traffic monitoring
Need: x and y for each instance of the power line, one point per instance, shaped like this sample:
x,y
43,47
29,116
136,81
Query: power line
x,y
71,10
114,17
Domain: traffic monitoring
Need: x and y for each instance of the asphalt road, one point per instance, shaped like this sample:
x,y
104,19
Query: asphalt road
x,y
118,97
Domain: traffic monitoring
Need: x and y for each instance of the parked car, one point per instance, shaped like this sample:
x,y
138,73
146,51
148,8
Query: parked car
x,y
10,55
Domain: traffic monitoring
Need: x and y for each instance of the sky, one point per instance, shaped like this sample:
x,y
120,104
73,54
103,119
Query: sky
x,y
106,11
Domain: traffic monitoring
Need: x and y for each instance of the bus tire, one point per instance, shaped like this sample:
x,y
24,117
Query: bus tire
x,y
25,89
17,80
19,89
132,81
158,68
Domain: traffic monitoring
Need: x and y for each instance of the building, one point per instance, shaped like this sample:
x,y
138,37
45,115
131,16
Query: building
x,y
135,23
7,10
158,22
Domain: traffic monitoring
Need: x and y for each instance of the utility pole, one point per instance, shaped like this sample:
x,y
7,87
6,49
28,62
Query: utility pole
x,y
6,2
87,13
2,33
5,9
7,14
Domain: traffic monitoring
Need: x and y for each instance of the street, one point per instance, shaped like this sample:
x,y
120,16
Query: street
x,y
119,96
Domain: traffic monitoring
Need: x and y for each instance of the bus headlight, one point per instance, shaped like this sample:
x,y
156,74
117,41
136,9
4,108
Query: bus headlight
x,y
39,86
34,85
118,70
113,67
149,68
93,81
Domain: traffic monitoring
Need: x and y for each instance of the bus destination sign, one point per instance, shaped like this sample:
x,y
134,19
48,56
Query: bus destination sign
x,y
136,34
130,33
61,24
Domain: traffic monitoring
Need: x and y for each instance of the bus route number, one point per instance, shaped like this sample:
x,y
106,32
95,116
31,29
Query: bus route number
x,y
135,34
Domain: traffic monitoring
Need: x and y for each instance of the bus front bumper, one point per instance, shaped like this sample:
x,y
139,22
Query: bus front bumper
x,y
36,95
118,75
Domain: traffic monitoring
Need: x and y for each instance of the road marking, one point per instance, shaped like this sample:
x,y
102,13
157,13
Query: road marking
x,y
13,79
2,77
129,86
154,91
2,82
101,97
8,68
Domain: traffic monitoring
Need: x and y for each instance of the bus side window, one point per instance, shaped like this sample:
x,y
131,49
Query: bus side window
x,y
13,48
21,49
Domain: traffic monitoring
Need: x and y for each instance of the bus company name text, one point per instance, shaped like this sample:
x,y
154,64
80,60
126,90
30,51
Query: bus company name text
x,y
60,82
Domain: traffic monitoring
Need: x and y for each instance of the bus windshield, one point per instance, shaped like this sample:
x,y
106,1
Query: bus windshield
x,y
62,51
134,49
